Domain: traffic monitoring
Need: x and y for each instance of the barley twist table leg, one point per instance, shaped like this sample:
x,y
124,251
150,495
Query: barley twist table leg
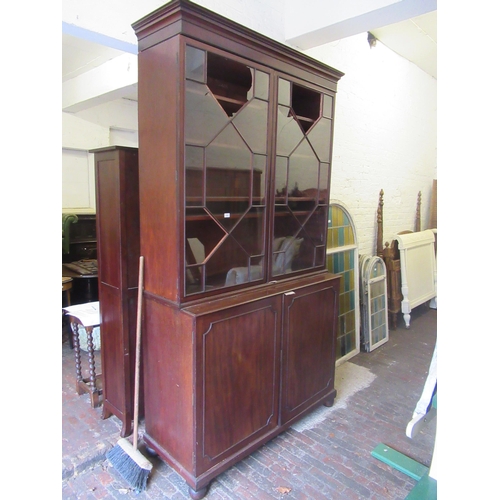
x,y
78,359
94,395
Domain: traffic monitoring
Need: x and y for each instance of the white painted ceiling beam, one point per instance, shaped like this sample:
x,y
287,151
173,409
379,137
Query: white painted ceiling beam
x,y
111,80
325,21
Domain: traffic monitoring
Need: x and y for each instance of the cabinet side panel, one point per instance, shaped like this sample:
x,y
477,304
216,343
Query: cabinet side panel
x,y
109,221
158,107
168,381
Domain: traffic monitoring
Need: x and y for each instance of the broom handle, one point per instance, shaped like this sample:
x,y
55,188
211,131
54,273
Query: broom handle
x,y
138,350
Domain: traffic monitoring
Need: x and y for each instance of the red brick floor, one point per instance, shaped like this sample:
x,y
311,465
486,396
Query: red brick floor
x,y
326,461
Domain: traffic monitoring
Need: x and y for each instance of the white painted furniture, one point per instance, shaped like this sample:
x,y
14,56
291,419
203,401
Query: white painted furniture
x,y
418,270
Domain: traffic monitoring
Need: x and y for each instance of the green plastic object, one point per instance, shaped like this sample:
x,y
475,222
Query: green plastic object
x,y
425,489
400,462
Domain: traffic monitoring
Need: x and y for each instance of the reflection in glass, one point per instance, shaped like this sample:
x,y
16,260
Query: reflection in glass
x,y
229,254
302,177
226,161
320,137
204,116
249,124
227,150
284,92
259,179
250,231
324,178
327,106
285,253
281,180
261,85
303,172
289,133
195,64
194,175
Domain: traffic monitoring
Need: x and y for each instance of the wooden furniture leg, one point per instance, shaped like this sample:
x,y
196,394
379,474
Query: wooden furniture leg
x,y
78,359
92,382
86,385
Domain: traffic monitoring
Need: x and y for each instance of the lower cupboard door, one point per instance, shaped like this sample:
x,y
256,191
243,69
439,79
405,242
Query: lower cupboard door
x,y
237,393
309,326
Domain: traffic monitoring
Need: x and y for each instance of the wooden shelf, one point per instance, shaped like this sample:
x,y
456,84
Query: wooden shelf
x,y
229,100
305,119
225,199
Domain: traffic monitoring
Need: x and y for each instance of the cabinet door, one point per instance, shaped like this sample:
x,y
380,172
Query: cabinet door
x,y
302,176
226,167
309,329
237,378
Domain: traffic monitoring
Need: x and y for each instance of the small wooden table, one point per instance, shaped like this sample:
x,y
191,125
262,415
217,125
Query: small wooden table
x,y
87,316
66,287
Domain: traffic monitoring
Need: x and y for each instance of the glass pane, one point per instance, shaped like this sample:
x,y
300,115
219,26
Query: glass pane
x,y
321,139
259,180
261,85
285,254
324,183
377,270
281,180
247,248
251,123
228,256
204,117
195,64
228,150
328,106
229,177
303,173
284,92
194,176
289,133
226,160
302,181
341,232
316,224
249,232
195,279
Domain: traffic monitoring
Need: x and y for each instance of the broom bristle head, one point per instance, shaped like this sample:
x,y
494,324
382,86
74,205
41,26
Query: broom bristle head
x,y
130,464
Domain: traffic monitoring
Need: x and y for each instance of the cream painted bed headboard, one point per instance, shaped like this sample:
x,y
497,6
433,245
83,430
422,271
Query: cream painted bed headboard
x,y
418,270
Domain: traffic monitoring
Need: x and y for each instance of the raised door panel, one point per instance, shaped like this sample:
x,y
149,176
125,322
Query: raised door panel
x,y
238,354
309,326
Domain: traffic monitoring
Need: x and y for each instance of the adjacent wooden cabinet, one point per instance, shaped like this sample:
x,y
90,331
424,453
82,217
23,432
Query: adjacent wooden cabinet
x,y
240,314
118,241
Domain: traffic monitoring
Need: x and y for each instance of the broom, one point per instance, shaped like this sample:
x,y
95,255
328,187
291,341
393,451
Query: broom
x,y
125,457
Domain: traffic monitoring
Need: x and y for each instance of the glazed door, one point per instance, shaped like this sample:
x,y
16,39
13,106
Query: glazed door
x,y
309,331
237,378
302,175
226,168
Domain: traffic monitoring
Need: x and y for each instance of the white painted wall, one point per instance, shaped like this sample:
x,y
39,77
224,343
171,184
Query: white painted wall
x,y
385,128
